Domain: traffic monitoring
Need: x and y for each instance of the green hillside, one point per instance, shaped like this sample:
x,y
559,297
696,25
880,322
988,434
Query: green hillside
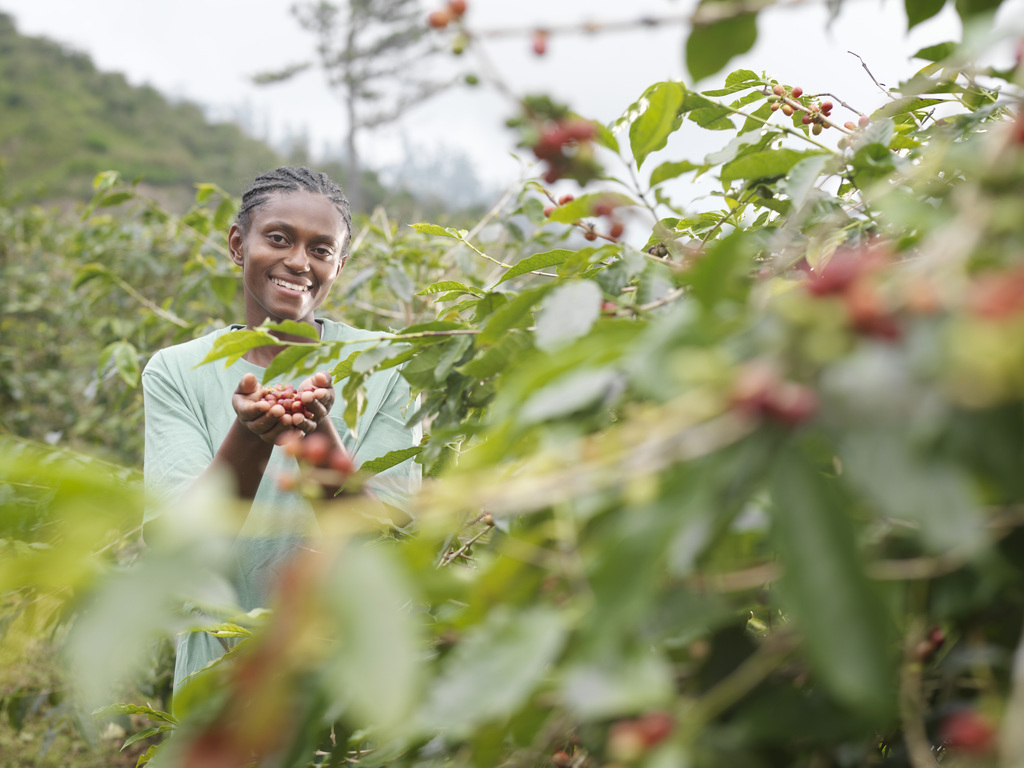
x,y
63,121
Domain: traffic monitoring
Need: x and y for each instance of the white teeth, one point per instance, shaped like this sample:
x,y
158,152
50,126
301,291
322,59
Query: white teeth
x,y
286,284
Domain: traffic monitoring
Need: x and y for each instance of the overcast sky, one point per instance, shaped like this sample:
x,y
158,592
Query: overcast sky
x,y
206,51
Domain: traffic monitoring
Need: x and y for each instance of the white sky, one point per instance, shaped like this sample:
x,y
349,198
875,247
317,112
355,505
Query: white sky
x,y
205,51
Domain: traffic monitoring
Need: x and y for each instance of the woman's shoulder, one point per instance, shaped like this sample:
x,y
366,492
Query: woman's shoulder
x,y
335,331
187,354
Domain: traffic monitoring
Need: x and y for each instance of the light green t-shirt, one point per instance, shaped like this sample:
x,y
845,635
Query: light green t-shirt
x,y
188,415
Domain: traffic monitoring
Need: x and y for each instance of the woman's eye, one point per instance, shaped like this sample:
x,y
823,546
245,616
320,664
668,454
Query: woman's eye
x,y
276,238
323,253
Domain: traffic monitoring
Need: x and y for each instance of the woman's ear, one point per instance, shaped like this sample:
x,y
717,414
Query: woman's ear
x,y
235,239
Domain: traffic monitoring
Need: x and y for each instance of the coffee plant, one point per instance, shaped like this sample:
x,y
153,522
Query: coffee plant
x,y
741,488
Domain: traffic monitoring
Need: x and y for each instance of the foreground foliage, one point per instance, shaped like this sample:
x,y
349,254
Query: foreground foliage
x,y
747,494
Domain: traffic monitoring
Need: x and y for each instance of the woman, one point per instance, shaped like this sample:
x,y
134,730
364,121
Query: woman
x,y
291,238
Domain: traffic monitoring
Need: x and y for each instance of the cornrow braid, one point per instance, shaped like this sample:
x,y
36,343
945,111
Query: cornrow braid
x,y
292,179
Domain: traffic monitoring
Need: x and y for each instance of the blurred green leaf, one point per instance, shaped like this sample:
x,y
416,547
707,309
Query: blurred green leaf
x,y
825,587
711,46
567,313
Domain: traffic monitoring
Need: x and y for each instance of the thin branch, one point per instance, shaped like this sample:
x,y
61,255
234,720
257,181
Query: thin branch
x,y
881,87
457,553
911,705
707,13
155,308
666,299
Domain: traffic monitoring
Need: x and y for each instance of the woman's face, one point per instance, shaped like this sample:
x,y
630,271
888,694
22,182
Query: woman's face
x,y
290,256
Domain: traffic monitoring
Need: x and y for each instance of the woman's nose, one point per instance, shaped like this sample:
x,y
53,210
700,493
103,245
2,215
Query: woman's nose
x,y
297,260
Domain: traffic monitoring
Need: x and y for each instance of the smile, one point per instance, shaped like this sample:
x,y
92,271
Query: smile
x,y
290,286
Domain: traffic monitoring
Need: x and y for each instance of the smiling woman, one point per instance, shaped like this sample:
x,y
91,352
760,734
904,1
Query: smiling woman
x,y
291,240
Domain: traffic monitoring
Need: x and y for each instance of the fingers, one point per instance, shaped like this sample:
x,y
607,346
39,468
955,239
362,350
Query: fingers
x,y
248,385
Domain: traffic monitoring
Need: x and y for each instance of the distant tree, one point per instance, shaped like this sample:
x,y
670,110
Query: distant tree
x,y
372,54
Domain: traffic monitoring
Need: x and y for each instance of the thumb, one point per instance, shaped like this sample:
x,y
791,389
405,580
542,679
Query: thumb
x,y
247,385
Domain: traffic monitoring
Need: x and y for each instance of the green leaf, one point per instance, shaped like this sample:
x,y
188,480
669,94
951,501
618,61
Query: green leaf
x,y
932,494
436,229
344,369
145,734
89,272
287,360
133,709
707,114
114,198
434,325
738,80
567,314
104,180
606,138
235,344
584,205
903,105
225,210
801,179
125,358
568,394
826,589
671,170
493,670
968,8
374,669
711,46
767,164
454,351
936,52
535,262
292,327
756,137
224,287
494,359
617,686
449,285
650,131
390,459
921,10
204,192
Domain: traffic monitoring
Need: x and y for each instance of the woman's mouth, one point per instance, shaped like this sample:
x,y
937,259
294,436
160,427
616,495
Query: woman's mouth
x,y
290,286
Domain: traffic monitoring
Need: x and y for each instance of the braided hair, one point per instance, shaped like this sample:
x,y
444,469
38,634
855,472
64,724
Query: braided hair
x,y
292,179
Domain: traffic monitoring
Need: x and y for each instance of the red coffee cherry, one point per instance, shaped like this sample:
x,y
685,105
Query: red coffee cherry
x,y
439,19
341,461
457,7
797,92
967,731
539,41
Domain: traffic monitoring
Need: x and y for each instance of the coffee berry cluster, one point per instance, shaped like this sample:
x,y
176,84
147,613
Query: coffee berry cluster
x,y
603,207
760,392
442,17
566,147
325,465
287,397
816,116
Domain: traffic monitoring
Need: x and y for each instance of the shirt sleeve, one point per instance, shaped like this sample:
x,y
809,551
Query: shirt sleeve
x,y
387,432
178,445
